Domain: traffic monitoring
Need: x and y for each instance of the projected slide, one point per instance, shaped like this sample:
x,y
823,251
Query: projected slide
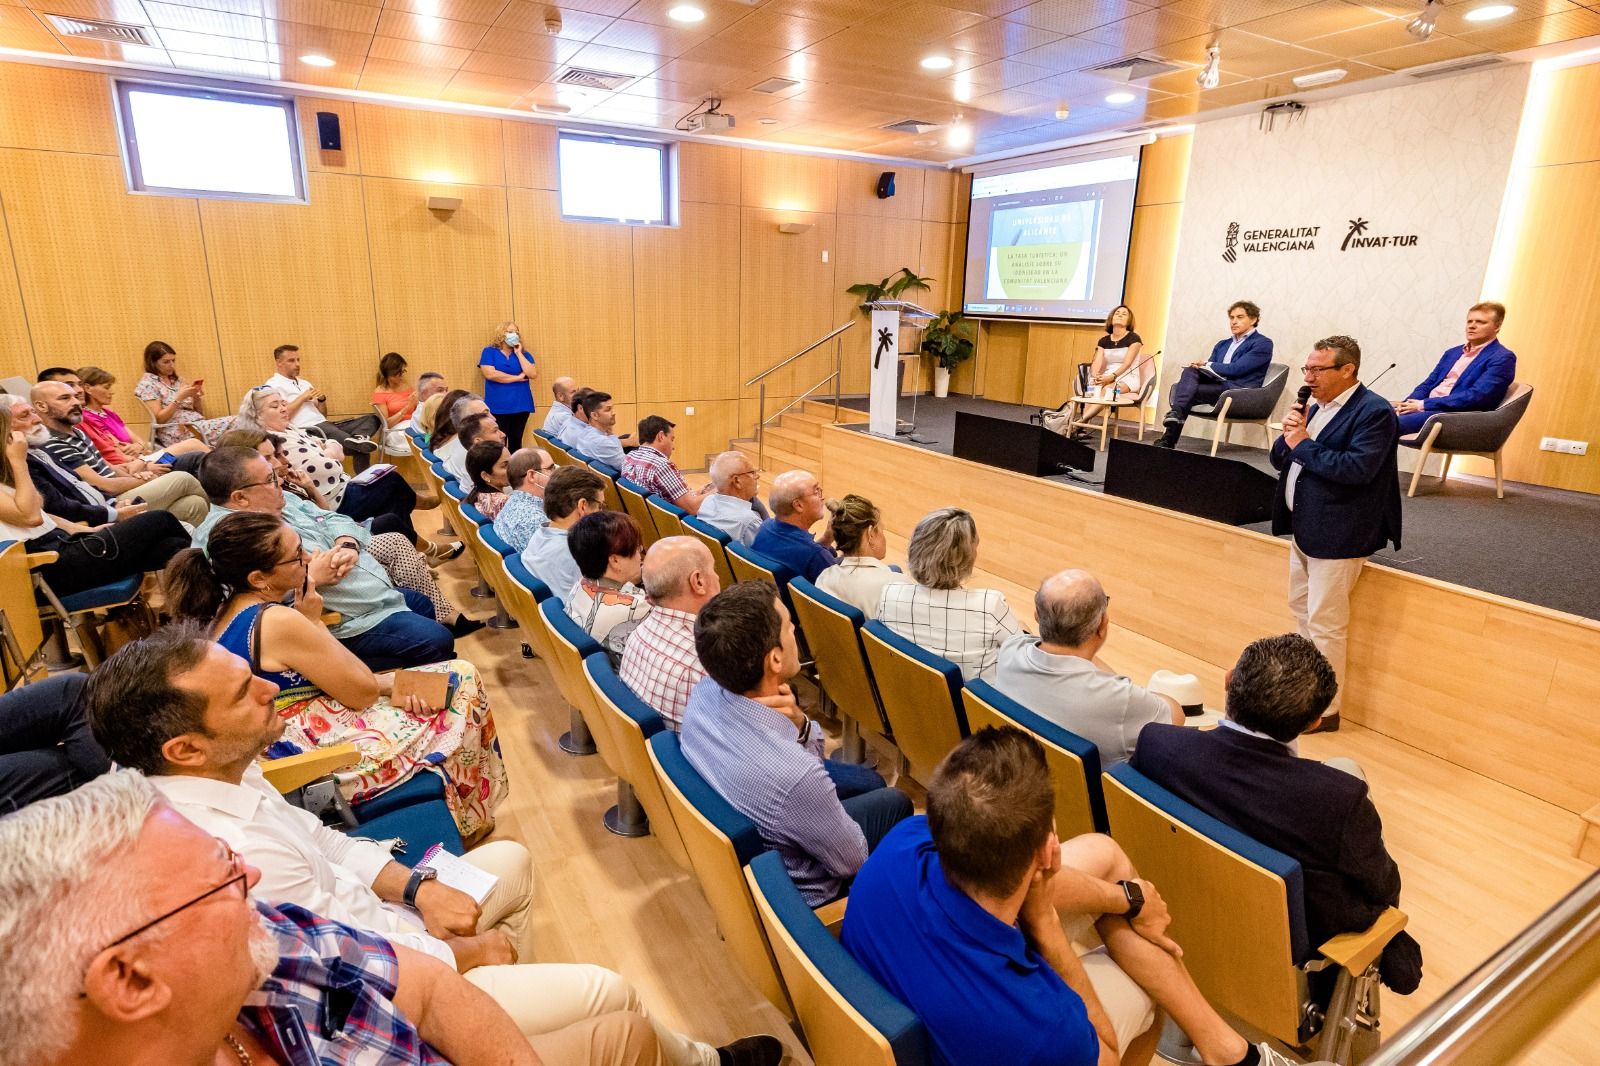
x,y
1051,241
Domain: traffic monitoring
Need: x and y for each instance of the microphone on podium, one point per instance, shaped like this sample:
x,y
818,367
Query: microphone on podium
x,y
1382,372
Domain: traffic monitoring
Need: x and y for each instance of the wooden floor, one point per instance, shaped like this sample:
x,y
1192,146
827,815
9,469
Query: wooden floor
x,y
1480,860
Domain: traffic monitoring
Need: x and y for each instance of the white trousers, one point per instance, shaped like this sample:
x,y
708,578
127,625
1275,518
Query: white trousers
x,y
1319,597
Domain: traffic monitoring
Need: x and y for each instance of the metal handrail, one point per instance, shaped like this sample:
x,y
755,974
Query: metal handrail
x,y
1499,1009
803,351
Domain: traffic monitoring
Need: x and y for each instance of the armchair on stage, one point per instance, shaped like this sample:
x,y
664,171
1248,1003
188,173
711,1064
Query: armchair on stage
x,y
1071,414
888,318
1484,433
1244,405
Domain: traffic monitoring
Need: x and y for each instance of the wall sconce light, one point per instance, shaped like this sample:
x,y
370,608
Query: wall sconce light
x,y
794,227
444,204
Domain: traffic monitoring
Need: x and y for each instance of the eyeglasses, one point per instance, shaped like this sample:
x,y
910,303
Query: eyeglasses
x,y
746,473
272,479
1308,369
237,874
301,557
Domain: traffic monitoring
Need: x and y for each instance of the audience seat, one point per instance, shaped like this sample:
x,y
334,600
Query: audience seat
x,y
633,496
833,636
720,841
667,515
489,560
21,631
579,458
921,695
848,1018
558,451
1238,910
569,646
609,475
1074,761
632,723
716,542
524,593
77,611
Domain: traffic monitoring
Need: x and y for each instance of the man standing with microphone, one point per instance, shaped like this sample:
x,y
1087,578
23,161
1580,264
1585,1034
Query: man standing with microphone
x,y
1338,495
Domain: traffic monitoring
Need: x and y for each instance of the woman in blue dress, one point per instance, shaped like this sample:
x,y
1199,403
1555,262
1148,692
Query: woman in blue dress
x,y
508,371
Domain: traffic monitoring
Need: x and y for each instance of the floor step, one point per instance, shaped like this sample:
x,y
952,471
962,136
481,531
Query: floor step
x,y
824,411
795,441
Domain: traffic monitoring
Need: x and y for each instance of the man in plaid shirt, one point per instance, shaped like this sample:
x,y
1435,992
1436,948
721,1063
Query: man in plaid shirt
x,y
650,465
659,662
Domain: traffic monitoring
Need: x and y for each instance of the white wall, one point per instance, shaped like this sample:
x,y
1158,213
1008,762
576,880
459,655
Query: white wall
x,y
1429,160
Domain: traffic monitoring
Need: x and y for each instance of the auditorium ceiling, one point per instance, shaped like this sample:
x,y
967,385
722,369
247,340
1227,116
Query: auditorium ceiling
x,y
983,75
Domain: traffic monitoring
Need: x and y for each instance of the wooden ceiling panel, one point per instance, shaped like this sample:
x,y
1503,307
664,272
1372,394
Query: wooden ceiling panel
x,y
989,8
921,21
847,11
1232,12
1283,84
1551,29
410,26
609,8
513,68
996,38
115,10
648,37
1377,37
530,18
418,54
1314,20
1073,53
539,46
618,60
332,14
120,53
1076,16
480,11
778,30
231,47
1438,49
1148,30
720,14
1005,74
344,74
1453,19
202,20
403,79
297,38
236,68
736,54
21,28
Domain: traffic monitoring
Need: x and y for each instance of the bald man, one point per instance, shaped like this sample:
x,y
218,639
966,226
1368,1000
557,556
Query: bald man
x,y
731,506
527,473
560,412
796,500
659,662
1057,676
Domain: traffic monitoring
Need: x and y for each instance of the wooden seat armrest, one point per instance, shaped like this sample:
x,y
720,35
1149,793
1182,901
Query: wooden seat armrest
x,y
291,772
832,914
38,559
1356,951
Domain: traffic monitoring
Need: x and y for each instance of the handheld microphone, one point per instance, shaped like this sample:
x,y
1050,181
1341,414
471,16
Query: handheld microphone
x,y
1302,397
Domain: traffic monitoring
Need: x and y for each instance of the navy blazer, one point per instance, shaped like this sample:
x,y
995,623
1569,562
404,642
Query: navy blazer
x,y
1347,498
1249,367
1480,387
1321,817
59,493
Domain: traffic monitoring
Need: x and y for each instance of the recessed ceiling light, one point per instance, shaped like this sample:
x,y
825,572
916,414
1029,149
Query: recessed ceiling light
x,y
767,121
313,59
937,62
1489,12
686,13
1120,98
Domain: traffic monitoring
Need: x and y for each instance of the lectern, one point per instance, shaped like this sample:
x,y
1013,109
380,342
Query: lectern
x,y
888,317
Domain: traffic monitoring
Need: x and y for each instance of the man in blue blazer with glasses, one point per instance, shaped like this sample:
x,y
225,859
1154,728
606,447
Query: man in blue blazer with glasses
x,y
1338,496
1238,362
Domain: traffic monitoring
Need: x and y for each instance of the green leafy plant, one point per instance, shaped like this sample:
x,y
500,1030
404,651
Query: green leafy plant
x,y
890,288
948,338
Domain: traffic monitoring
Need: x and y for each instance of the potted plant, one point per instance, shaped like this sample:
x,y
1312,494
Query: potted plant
x,y
890,288
948,338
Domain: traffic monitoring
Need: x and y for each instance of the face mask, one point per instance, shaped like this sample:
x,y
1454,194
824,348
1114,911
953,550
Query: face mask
x,y
513,339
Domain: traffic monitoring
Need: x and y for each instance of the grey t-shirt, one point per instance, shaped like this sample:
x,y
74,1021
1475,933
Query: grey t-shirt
x,y
1105,709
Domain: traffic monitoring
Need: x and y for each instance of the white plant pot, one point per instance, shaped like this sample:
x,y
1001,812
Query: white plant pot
x,y
941,382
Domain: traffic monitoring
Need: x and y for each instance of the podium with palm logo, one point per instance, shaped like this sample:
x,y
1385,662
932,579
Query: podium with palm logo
x,y
889,317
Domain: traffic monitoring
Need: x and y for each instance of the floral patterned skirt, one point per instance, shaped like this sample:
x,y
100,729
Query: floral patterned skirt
x,y
211,429
458,742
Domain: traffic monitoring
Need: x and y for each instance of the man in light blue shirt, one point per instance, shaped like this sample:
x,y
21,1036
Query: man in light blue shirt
x,y
745,733
559,413
571,493
730,507
595,439
527,472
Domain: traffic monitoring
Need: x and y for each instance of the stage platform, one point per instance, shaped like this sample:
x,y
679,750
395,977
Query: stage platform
x,y
1535,545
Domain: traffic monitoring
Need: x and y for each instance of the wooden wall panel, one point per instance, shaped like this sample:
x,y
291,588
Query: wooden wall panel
x,y
430,146
530,154
858,190
700,435
94,261
1054,353
786,297
708,173
56,110
1569,130
577,315
1164,171
347,160
293,274
1002,361
793,184
1502,688
14,339
868,249
441,283
686,333
938,195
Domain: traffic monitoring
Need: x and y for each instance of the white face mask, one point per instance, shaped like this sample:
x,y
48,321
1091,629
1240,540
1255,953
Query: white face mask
x,y
513,339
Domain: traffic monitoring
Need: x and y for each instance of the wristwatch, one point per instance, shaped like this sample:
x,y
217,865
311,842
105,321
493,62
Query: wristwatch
x,y
422,874
1135,896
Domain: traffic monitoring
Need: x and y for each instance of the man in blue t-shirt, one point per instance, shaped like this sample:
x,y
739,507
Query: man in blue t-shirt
x,y
959,914
796,500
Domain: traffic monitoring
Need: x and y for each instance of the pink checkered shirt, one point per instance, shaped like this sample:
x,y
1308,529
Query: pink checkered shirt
x,y
660,664
648,467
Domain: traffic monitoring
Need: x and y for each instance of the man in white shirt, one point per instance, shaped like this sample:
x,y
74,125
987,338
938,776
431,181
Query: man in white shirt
x,y
1057,676
308,408
730,508
193,717
429,385
560,410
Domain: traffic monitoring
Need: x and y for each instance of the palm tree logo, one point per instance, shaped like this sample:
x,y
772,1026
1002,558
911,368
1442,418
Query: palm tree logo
x,y
1358,226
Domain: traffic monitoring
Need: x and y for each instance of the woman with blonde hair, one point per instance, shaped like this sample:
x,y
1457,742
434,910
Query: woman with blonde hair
x,y
858,578
966,626
237,586
508,371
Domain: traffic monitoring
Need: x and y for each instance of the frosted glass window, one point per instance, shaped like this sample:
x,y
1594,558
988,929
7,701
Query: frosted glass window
x,y
198,142
606,179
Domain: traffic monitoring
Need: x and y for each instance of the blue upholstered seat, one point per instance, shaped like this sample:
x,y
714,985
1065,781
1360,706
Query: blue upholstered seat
x,y
1052,733
112,595
707,801
414,811
523,576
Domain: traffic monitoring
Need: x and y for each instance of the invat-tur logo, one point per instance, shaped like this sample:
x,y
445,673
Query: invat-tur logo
x,y
1356,239
1229,252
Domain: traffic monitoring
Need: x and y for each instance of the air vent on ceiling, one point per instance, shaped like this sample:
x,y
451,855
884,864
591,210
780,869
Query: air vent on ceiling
x,y
95,30
774,85
593,79
1134,68
913,125
1456,68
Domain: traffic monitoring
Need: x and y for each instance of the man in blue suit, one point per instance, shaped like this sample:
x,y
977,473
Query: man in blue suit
x,y
1338,496
1240,362
1470,377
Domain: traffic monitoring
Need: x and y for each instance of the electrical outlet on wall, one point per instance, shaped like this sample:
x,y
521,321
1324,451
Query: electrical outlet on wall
x,y
1566,447
688,410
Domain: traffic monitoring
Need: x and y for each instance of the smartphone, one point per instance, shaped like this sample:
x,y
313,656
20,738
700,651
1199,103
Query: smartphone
x,y
199,381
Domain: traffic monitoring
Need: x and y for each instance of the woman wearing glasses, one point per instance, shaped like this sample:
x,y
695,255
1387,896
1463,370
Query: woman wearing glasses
x,y
256,589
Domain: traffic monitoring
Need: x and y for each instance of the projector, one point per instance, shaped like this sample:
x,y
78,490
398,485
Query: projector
x,y
710,122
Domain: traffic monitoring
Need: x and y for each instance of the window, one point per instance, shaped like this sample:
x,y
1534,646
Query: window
x,y
612,179
181,141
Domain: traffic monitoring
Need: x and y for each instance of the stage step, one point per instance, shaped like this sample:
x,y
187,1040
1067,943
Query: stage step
x,y
796,439
777,459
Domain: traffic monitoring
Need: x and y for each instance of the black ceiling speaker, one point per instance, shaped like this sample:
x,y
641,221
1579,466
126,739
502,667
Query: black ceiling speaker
x,y
328,131
886,185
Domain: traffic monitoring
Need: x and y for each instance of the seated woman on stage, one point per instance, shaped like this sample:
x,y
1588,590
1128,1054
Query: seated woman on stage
x,y
237,587
860,574
486,470
1117,371
966,626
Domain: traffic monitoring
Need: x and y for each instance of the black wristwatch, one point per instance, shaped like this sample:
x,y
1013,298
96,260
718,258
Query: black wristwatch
x,y
1135,896
422,874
